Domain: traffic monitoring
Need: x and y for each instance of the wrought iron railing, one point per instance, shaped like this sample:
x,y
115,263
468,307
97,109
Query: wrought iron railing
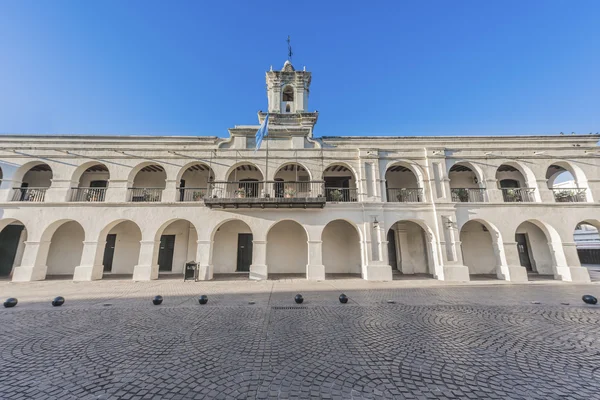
x,y
88,194
192,194
569,195
236,189
518,195
29,194
405,195
138,195
338,194
268,189
294,189
468,195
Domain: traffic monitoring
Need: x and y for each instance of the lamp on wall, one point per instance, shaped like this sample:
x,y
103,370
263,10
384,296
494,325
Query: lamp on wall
x,y
375,222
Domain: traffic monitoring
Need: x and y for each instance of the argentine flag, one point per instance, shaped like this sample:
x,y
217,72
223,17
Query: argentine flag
x,y
262,132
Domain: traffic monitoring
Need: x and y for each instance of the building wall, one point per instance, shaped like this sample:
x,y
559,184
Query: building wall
x,y
463,180
401,180
145,179
181,255
226,244
195,179
477,249
127,247
540,256
88,177
413,250
341,248
38,179
65,249
287,248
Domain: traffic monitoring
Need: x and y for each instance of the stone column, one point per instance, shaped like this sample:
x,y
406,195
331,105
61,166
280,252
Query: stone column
x,y
494,194
315,270
204,259
507,255
377,269
453,269
258,269
545,195
170,192
146,269
91,267
571,270
59,191
117,191
446,183
6,189
33,266
401,252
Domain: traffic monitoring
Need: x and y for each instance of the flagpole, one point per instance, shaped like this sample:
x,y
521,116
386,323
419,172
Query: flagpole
x,y
267,162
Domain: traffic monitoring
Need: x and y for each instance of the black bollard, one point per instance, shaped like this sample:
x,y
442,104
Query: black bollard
x,y
343,298
157,300
58,301
298,299
589,299
203,299
10,302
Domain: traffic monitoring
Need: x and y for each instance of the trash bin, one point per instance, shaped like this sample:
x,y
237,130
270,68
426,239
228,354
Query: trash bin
x,y
191,271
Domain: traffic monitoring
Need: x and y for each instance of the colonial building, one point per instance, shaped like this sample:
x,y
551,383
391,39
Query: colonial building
x,y
89,207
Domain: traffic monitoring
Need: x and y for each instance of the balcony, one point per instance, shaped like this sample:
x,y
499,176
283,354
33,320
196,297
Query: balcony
x,y
30,194
518,195
404,195
88,194
465,195
192,194
340,194
569,195
144,195
269,194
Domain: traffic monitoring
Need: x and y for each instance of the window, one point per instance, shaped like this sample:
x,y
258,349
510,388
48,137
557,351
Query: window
x,y
288,93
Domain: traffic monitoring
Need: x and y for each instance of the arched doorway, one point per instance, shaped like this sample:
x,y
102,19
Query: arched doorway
x,y
409,249
291,180
122,249
587,241
533,249
478,249
35,181
148,183
244,180
12,245
514,184
340,183
66,247
341,248
232,248
92,184
564,185
287,249
465,184
177,241
194,182
402,185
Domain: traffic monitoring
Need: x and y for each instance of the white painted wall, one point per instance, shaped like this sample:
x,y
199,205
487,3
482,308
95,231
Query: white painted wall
x,y
239,175
460,180
183,247
515,175
401,180
145,179
291,175
195,179
287,248
351,183
65,249
477,249
127,247
540,256
225,247
341,248
412,248
88,177
38,179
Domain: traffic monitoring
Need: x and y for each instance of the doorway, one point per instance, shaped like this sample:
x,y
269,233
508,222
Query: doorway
x,y
165,253
9,243
109,252
393,260
523,248
244,252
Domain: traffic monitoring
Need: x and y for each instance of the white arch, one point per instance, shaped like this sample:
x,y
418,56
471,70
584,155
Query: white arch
x,y
233,168
293,163
214,230
554,244
434,256
476,169
413,167
352,170
187,166
80,170
138,167
24,169
577,173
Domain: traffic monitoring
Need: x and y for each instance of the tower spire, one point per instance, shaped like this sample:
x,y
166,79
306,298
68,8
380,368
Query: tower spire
x,y
290,53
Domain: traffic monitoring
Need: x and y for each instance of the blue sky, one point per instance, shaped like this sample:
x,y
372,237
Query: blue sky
x,y
379,68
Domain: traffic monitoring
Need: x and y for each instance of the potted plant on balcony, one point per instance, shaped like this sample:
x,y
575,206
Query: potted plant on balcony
x,y
563,196
240,193
196,196
336,195
289,192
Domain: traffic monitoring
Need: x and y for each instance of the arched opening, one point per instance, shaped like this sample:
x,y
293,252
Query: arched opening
x,y
92,184
564,184
291,180
194,182
478,249
514,185
287,249
587,241
66,247
340,183
533,248
148,184
409,249
232,248
178,242
12,246
122,249
465,185
244,180
402,185
288,93
34,184
341,248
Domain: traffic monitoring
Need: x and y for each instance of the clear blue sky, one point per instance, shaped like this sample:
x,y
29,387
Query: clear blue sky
x,y
379,68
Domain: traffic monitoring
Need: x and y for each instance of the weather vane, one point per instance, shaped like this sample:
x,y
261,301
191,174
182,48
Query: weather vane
x,y
290,54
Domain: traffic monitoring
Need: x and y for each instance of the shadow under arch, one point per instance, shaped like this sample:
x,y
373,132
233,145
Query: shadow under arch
x,y
340,253
287,248
430,258
13,235
544,251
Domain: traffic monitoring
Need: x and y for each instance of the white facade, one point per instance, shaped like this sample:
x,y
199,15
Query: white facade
x,y
449,207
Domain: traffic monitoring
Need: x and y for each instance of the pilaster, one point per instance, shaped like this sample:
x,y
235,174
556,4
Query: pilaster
x,y
33,266
91,267
258,269
146,270
204,259
315,270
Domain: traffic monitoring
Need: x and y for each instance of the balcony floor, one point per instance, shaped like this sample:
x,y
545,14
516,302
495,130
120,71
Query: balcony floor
x,y
265,202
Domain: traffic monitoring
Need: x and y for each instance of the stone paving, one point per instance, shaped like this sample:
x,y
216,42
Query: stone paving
x,y
487,340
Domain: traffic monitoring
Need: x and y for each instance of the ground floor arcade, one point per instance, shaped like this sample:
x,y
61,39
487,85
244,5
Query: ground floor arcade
x,y
316,245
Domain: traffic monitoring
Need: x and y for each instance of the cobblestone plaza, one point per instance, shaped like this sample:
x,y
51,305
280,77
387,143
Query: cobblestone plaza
x,y
401,339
